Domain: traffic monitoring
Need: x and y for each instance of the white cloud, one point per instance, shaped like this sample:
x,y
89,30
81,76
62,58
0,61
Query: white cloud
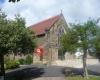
x,y
44,4
36,10
30,17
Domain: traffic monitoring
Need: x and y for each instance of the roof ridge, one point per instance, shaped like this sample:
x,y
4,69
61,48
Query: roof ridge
x,y
46,19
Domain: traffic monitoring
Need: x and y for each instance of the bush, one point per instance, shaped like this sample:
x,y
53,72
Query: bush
x,y
22,61
29,59
11,64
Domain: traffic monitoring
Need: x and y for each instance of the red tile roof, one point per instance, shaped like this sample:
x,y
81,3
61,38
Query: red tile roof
x,y
40,27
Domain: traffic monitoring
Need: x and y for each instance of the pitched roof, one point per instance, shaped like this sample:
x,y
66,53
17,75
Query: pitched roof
x,y
40,27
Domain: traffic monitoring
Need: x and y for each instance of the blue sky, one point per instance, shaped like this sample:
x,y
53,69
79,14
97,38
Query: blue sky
x,y
2,1
37,10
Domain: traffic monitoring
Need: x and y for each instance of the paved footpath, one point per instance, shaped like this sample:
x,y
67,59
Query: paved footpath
x,y
52,73
50,78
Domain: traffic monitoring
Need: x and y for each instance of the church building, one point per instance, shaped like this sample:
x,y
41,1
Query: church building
x,y
48,33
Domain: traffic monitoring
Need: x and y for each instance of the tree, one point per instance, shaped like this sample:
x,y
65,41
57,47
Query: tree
x,y
97,44
26,39
3,39
14,37
68,41
80,36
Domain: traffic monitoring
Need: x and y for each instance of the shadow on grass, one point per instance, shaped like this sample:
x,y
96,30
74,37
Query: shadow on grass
x,y
24,74
77,71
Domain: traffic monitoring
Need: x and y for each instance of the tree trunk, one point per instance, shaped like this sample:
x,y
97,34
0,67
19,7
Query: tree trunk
x,y
2,66
85,71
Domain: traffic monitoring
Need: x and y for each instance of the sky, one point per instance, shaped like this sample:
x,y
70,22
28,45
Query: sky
x,y
74,11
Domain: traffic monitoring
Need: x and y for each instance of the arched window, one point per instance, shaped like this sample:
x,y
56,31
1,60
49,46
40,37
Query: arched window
x,y
60,31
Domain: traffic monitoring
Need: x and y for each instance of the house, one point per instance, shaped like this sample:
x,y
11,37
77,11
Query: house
x,y
48,34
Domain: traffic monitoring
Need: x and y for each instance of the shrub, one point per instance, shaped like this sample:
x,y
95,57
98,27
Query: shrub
x,y
22,61
11,64
29,59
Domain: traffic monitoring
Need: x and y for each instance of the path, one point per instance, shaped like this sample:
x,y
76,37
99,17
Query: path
x,y
52,73
50,78
36,73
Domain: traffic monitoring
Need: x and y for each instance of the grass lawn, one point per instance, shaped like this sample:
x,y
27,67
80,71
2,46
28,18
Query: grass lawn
x,y
81,78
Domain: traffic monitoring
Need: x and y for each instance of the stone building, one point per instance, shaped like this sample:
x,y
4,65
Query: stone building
x,y
48,34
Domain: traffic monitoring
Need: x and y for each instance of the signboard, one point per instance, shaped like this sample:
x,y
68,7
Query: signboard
x,y
39,51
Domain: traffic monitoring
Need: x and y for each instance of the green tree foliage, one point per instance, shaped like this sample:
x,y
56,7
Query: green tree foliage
x,y
68,41
25,42
81,36
97,43
3,39
14,37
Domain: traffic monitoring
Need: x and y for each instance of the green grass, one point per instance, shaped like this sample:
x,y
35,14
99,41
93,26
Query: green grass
x,y
81,78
